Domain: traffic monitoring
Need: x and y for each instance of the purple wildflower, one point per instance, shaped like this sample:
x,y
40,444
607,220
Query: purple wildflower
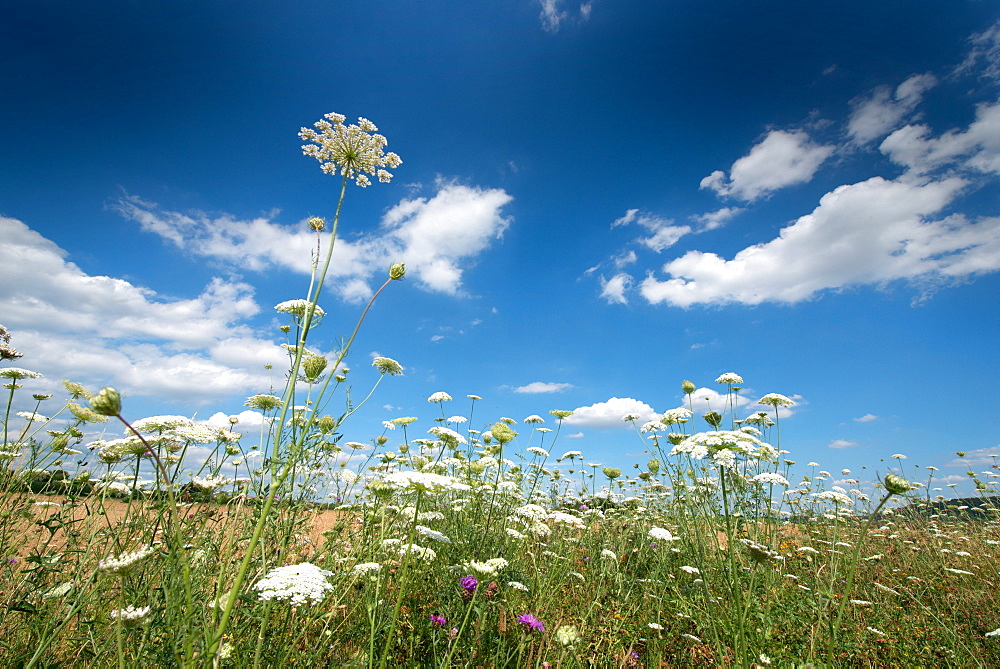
x,y
468,583
531,622
438,621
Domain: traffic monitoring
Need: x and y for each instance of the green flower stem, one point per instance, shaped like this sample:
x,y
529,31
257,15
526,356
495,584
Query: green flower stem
x,y
461,628
846,595
407,561
6,418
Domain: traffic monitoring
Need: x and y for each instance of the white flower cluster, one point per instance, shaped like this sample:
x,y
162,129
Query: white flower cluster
x,y
296,584
838,498
350,150
425,482
770,477
660,534
209,482
299,308
366,568
131,616
160,424
700,445
447,435
124,563
488,568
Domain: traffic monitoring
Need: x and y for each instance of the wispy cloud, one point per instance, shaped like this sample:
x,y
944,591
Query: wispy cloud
x,y
878,113
842,443
613,289
543,387
868,417
553,15
977,458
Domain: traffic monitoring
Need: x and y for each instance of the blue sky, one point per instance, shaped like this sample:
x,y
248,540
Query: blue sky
x,y
596,202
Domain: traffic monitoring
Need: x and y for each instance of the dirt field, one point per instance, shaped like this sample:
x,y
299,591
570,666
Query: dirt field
x,y
94,515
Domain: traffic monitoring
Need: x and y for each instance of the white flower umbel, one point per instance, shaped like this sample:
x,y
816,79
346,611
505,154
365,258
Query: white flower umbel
x,y
660,534
126,562
131,616
350,150
425,482
488,568
297,584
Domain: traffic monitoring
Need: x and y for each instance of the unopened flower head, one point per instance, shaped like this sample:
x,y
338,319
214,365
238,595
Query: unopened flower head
x,y
107,402
896,484
297,584
353,151
501,432
567,635
561,413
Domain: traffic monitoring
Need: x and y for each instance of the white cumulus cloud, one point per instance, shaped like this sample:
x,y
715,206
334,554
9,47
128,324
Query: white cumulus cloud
x,y
437,237
609,414
101,330
870,232
783,158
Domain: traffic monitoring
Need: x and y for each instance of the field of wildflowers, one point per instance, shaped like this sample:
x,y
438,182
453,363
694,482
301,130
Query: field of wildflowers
x,y
476,542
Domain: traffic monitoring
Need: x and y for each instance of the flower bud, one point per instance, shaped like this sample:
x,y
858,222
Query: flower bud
x,y
713,418
326,423
313,366
107,402
502,432
896,484
612,472
688,387
397,271
653,465
316,224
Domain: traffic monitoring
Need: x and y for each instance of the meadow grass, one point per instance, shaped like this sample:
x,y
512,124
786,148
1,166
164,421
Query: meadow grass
x,y
479,543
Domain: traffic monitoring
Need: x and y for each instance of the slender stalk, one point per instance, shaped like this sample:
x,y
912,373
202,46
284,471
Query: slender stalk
x,y
407,561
